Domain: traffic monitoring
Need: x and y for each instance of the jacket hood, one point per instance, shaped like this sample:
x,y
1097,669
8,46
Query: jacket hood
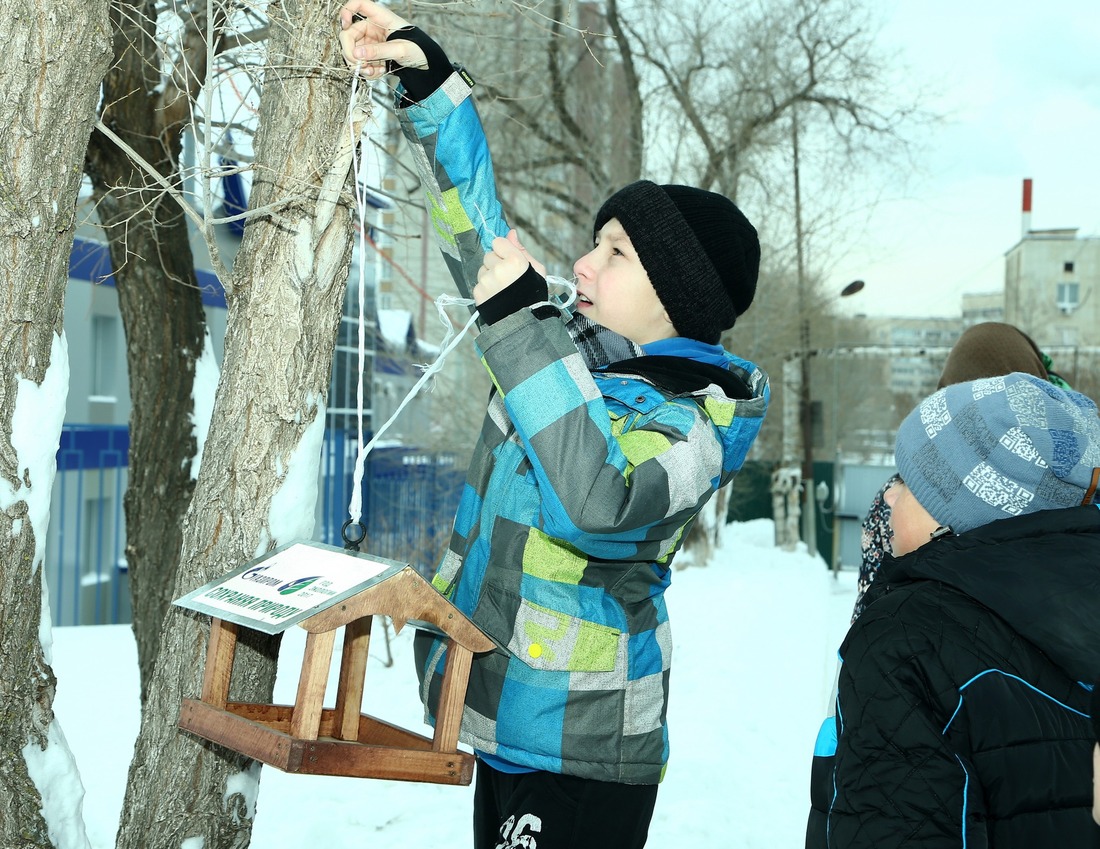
x,y
1039,572
735,397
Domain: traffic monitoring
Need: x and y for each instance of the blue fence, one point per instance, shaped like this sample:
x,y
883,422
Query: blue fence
x,y
85,555
409,499
408,496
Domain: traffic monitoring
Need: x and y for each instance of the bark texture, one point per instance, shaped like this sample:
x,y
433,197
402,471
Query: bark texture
x,y
263,447
55,54
160,304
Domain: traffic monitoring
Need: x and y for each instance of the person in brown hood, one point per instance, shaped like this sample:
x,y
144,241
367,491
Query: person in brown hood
x,y
989,349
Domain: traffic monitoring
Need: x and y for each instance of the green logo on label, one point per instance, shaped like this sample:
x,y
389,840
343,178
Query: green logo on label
x,y
297,584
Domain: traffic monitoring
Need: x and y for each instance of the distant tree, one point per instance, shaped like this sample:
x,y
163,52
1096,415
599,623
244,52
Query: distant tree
x,y
55,55
582,98
736,73
1080,366
562,106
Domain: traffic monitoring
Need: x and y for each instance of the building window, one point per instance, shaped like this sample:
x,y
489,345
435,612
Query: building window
x,y
343,391
1067,267
105,333
1068,297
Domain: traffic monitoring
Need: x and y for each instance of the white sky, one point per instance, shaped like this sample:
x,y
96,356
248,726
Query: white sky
x,y
1019,83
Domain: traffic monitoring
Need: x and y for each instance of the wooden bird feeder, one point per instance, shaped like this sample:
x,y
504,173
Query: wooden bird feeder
x,y
306,737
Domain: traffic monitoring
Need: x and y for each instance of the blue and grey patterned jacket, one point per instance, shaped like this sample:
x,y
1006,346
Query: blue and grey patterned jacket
x,y
582,485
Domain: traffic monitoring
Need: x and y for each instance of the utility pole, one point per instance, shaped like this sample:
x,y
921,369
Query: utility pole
x,y
805,423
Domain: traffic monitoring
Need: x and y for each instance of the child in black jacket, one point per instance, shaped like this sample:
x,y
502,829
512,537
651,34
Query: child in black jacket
x,y
961,719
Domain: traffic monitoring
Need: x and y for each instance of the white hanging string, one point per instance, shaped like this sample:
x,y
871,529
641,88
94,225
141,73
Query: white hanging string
x,y
450,340
562,300
355,509
429,370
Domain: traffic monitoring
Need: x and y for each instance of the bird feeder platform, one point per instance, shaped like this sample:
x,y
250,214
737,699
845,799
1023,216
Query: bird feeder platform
x,y
308,738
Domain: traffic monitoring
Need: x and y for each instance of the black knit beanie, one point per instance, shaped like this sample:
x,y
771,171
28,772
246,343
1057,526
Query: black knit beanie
x,y
700,251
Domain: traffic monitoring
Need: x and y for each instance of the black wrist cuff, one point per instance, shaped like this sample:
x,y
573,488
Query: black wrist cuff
x,y
530,288
420,83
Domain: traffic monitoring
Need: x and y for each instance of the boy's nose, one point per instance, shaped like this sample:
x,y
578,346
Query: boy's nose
x,y
583,266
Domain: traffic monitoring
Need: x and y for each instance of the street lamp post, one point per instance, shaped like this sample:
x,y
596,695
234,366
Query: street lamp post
x,y
809,511
809,530
805,427
799,381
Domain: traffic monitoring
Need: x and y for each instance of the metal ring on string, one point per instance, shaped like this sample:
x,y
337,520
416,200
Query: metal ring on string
x,y
352,543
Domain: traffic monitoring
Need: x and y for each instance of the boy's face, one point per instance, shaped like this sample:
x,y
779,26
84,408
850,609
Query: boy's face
x,y
613,289
912,525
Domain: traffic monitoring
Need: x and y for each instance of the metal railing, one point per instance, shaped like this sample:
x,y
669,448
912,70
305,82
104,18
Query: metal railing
x,y
409,500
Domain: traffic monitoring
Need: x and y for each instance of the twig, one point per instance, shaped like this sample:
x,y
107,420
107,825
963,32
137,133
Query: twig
x,y
215,259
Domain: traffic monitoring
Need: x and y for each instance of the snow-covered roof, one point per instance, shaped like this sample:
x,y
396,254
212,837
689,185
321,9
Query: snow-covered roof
x,y
427,349
395,327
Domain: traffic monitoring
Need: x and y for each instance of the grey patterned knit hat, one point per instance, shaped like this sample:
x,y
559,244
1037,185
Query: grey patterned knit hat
x,y
976,452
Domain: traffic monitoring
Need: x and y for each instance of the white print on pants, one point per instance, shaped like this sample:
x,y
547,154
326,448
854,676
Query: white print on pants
x,y
520,834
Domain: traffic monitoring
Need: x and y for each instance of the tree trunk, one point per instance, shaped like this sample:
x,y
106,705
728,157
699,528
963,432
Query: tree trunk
x,y
164,322
258,484
162,313
54,58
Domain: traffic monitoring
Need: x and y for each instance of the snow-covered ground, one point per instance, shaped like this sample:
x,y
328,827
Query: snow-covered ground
x,y
756,635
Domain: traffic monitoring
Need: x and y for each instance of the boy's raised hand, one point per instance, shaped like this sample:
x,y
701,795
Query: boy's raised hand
x,y
364,26
503,266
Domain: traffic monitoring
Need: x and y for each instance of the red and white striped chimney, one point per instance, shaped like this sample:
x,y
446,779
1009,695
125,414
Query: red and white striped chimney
x,y
1026,222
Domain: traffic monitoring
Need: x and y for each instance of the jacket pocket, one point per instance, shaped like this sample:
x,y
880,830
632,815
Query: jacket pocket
x,y
549,640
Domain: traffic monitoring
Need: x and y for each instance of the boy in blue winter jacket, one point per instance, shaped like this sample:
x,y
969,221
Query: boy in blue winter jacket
x,y
608,431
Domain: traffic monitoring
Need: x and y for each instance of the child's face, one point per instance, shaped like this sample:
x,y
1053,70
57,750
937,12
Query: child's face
x,y
613,289
912,525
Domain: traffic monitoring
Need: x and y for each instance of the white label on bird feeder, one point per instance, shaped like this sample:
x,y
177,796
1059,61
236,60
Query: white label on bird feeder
x,y
289,584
